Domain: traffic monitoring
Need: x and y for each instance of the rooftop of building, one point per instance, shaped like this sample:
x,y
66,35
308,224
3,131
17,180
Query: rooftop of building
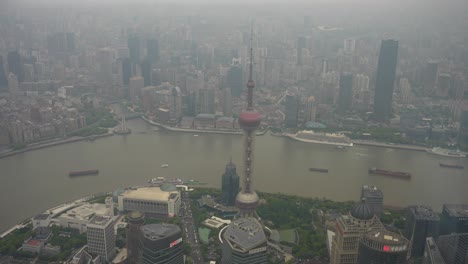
x,y
423,212
150,193
34,242
205,116
100,220
372,190
245,233
41,217
387,238
85,211
159,231
456,210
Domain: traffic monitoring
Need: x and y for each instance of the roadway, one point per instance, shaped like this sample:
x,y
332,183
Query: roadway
x,y
189,229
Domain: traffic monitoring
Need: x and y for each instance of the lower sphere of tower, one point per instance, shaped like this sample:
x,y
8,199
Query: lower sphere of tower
x,y
247,200
249,120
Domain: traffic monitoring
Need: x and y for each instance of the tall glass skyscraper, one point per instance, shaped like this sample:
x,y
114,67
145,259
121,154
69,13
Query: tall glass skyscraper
x,y
385,79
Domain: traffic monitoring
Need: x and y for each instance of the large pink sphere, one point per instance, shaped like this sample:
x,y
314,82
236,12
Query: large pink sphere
x,y
249,119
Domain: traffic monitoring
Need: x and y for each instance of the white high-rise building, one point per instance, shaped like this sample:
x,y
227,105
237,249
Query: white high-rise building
x,y
13,85
105,60
405,89
349,45
101,237
134,87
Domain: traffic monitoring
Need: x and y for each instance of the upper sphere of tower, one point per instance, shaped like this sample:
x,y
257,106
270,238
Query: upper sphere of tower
x,y
249,119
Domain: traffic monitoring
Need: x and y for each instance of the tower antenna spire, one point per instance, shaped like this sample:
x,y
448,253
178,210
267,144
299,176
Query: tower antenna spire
x,y
250,82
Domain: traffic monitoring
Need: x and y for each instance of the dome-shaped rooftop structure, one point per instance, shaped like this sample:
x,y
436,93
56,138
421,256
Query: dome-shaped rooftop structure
x,y
168,187
361,211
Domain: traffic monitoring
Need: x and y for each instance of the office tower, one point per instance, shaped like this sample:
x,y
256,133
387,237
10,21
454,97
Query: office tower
x,y
101,237
324,66
234,80
386,70
152,46
291,111
71,44
227,102
28,72
454,248
374,198
429,77
230,184
135,85
301,45
244,242
454,219
463,133
432,253
310,109
360,84
382,247
349,228
134,48
349,45
175,103
3,74
126,70
135,221
249,121
161,244
194,81
345,95
146,71
13,84
105,60
444,85
15,64
421,223
205,101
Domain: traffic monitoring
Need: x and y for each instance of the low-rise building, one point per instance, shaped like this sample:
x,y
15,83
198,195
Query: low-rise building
x,y
80,216
153,201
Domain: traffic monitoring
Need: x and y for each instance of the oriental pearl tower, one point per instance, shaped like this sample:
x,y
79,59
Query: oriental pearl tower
x,y
249,120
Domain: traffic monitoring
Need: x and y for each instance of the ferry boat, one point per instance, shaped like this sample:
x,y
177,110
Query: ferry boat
x,y
448,153
453,166
82,173
335,139
195,135
164,165
318,170
397,174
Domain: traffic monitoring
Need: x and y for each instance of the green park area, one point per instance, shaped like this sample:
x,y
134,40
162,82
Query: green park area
x,y
204,234
289,236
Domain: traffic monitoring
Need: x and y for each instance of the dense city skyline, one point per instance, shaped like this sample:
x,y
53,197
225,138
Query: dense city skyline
x,y
120,116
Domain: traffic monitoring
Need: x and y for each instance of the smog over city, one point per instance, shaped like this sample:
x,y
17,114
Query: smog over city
x,y
222,131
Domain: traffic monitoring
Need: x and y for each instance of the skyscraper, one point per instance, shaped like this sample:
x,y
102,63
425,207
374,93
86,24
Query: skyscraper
x,y
205,101
101,237
374,198
310,110
135,85
3,74
349,228
13,85
161,244
249,121
421,223
432,253
15,64
230,184
301,45
382,247
126,70
345,95
386,70
152,46
291,110
135,221
454,248
134,48
454,219
429,76
463,134
244,242
105,60
227,102
234,80
146,71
